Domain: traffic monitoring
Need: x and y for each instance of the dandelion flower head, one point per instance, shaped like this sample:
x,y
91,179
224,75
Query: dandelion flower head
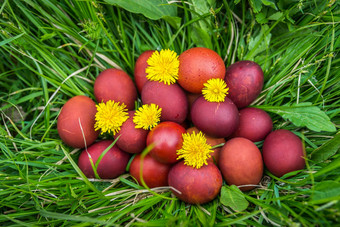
x,y
147,116
163,67
110,116
195,151
215,90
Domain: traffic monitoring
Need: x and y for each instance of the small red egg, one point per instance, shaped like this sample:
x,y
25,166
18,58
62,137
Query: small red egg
x,y
171,98
255,124
140,66
216,119
241,163
76,122
245,82
212,142
112,164
155,174
167,139
191,99
116,85
283,152
195,186
196,66
131,139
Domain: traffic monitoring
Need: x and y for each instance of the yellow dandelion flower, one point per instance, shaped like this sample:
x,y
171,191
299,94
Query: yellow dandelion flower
x,y
215,90
147,116
195,150
163,67
110,116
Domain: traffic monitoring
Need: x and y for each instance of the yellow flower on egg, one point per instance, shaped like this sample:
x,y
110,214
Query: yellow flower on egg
x,y
195,151
163,67
215,90
147,116
110,116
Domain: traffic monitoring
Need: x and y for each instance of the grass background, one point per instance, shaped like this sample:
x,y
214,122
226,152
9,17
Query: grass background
x,y
53,50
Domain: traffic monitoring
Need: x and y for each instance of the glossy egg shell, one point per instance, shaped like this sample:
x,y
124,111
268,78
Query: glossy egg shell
x,y
116,85
140,66
171,98
283,152
196,66
76,122
167,139
245,82
155,174
196,186
212,141
112,164
131,139
255,124
241,163
215,119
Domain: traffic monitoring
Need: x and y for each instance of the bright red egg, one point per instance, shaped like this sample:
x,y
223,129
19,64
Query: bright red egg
x,y
167,139
155,174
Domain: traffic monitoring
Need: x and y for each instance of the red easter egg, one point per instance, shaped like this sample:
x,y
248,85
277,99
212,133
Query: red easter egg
x,y
283,152
171,98
140,66
116,85
167,139
112,164
196,66
76,122
241,163
245,82
131,139
155,174
195,186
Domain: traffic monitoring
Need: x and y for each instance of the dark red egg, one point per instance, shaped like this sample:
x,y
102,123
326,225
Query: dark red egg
x,y
216,119
167,139
255,124
241,163
76,122
155,174
283,152
140,66
131,139
245,82
196,66
212,141
195,186
171,98
116,85
112,165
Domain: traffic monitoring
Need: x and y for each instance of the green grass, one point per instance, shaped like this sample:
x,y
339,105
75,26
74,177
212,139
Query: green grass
x,y
53,50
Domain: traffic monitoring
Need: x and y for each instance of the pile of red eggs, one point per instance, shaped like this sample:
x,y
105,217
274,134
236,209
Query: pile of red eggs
x,y
229,127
